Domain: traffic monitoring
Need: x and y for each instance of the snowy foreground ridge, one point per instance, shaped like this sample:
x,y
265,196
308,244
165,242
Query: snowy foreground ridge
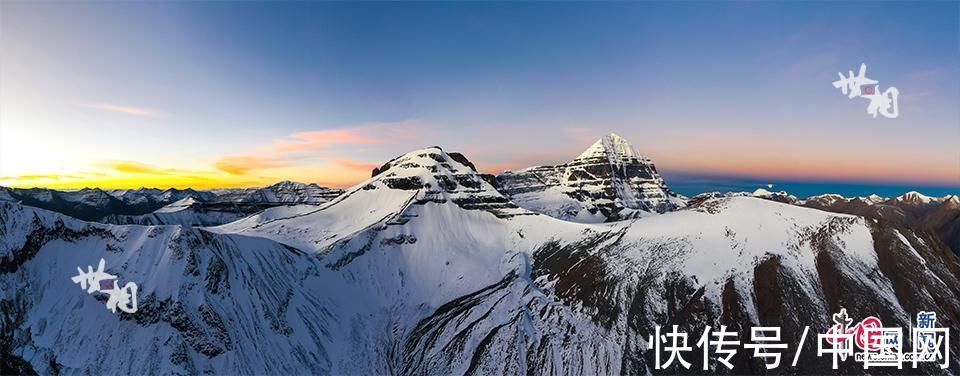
x,y
427,269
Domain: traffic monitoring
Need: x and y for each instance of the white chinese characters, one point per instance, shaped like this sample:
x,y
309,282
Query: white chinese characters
x,y
860,86
124,298
868,342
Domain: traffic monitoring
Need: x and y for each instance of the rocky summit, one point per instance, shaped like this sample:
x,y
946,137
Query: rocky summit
x,y
609,181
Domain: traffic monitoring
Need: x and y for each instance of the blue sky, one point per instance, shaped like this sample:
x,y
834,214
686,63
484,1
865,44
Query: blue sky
x,y
738,89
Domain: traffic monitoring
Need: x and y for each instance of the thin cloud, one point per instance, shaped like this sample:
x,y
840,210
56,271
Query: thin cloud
x,y
369,134
355,165
242,165
134,167
315,140
296,148
129,110
38,177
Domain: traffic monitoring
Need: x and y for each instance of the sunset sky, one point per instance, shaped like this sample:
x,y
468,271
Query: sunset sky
x,y
224,94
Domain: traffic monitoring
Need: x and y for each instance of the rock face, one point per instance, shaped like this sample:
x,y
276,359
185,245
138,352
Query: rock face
x,y
609,181
284,192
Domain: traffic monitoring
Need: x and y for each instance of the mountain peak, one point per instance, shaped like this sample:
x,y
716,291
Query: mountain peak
x,y
614,147
611,180
914,197
435,176
430,168
951,201
287,184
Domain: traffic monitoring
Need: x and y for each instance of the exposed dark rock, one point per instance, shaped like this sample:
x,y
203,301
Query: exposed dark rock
x,y
609,178
462,159
937,216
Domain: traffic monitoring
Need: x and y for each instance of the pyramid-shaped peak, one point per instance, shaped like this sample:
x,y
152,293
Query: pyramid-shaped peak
x,y
611,180
613,147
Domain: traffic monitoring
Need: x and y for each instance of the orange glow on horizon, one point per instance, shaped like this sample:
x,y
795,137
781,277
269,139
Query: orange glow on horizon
x,y
815,171
328,177
344,174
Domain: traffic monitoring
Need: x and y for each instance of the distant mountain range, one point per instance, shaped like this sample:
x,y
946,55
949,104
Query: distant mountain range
x,y
430,267
938,216
150,206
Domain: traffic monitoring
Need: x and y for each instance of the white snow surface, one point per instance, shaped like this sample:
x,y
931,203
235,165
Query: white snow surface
x,y
615,148
176,206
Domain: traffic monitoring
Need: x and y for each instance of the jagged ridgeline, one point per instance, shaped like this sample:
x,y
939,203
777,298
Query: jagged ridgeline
x,y
150,206
426,268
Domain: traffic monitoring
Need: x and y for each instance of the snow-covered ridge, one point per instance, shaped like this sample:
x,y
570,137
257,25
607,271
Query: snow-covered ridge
x,y
284,192
420,177
178,205
911,198
940,216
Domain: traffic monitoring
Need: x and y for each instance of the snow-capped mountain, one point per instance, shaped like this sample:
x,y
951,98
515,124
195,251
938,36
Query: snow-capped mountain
x,y
153,196
426,269
151,206
228,205
284,192
188,212
609,181
397,188
781,196
939,215
94,203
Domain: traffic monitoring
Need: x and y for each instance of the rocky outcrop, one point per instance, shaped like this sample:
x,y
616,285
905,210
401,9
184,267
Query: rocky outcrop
x,y
438,177
284,192
609,181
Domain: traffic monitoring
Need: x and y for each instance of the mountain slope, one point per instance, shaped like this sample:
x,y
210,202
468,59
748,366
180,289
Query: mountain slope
x,y
426,269
609,181
228,205
94,203
938,215
284,192
188,212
